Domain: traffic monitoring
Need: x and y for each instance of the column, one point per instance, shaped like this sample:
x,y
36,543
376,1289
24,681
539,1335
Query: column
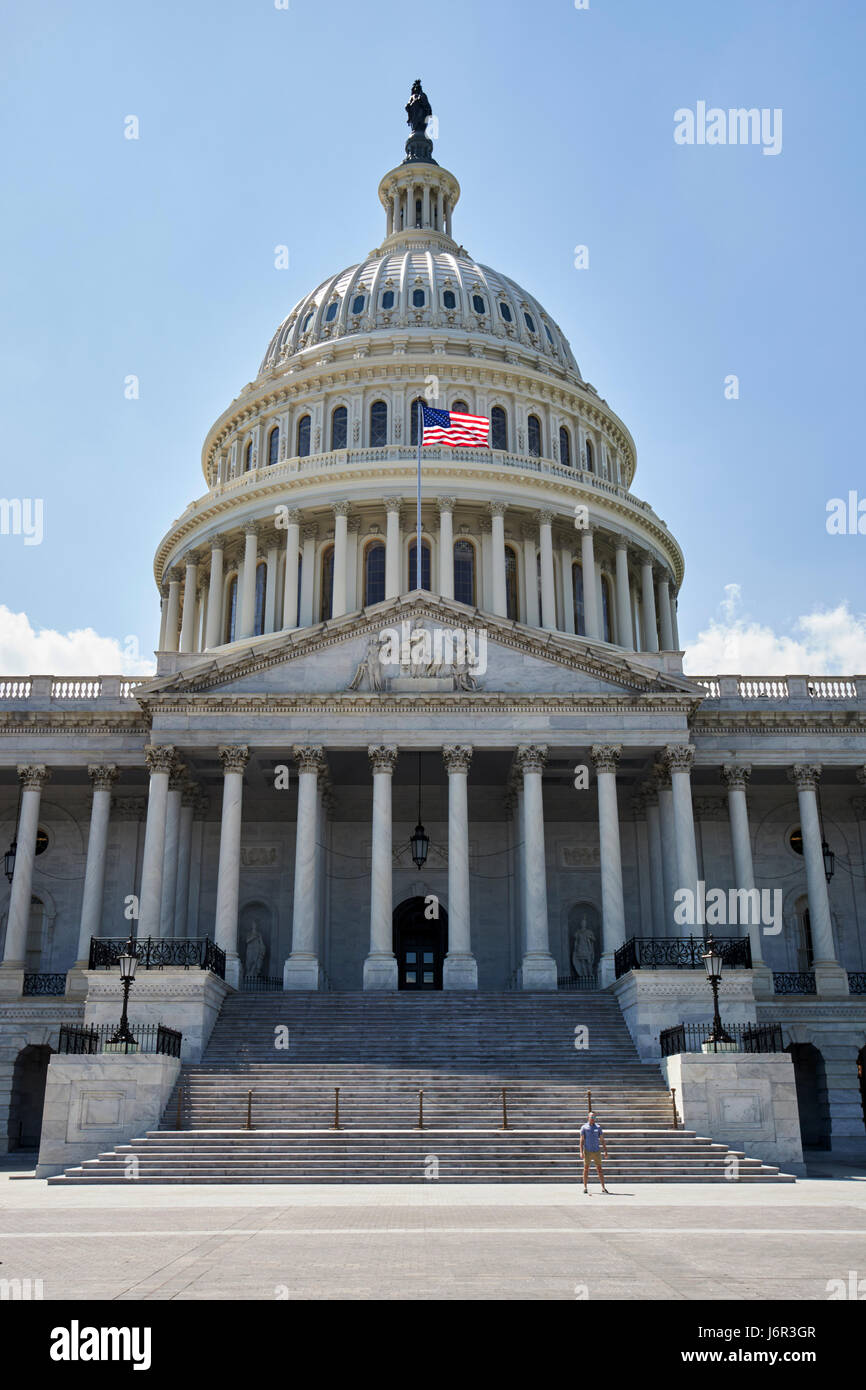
x,y
605,758
163,615
188,799
461,968
445,508
176,780
679,759
290,579
308,574
159,760
674,624
214,630
538,970
173,613
392,547
656,857
530,574
32,779
187,627
234,760
301,970
497,541
829,977
548,589
735,776
667,627
566,561
102,779
272,555
380,967
590,588
648,604
669,847
341,540
623,600
247,589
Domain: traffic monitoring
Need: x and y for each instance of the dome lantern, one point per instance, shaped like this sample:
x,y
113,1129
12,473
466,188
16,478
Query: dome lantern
x,y
418,196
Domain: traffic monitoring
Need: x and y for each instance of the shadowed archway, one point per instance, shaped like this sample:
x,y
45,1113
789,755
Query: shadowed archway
x,y
420,943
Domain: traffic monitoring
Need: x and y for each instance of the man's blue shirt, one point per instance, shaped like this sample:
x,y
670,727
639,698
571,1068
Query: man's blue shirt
x,y
591,1135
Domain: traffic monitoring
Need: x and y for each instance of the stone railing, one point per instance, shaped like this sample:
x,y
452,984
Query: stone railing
x,y
782,687
47,689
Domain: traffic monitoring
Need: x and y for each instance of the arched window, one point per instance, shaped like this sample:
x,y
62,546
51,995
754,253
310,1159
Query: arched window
x,y
449,299
388,299
308,319
533,432
461,407
425,565
549,335
505,311
464,572
606,610
374,573
303,436
478,304
418,222
358,304
589,459
339,427
579,611
378,425
274,445
327,599
530,322
419,299
499,428
413,421
248,457
231,609
564,447
331,312
261,588
511,604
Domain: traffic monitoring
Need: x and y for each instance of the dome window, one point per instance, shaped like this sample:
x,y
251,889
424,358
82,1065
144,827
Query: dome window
x,y
273,445
549,334
460,407
307,321
388,299
449,299
378,425
533,430
304,436
499,428
530,322
478,304
358,304
339,427
505,311
419,299
464,572
331,312
564,447
589,458
248,457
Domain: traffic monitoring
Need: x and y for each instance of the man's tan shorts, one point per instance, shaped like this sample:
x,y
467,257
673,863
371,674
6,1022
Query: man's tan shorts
x,y
593,1159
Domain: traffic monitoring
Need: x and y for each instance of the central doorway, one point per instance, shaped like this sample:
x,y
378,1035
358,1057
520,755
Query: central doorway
x,y
420,944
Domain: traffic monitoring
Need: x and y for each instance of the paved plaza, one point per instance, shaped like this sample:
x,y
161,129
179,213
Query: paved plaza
x,y
425,1241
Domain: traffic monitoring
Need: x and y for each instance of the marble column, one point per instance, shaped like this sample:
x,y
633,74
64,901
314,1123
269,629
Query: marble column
x,y
176,781
33,778
341,542
566,561
392,548
461,968
272,557
234,760
290,578
214,627
159,759
538,970
548,587
163,615
590,586
308,574
648,605
302,969
623,597
667,829
674,623
735,776
679,759
102,777
667,628
829,977
247,595
499,603
187,627
445,507
530,575
380,967
173,612
604,759
656,857
188,800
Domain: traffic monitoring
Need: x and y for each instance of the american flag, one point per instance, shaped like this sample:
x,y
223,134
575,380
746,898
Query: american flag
x,y
450,427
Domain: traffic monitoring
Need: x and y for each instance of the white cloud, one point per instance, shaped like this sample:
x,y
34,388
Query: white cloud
x,y
821,643
26,652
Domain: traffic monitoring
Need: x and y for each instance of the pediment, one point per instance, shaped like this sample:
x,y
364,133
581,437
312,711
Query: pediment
x,y
417,644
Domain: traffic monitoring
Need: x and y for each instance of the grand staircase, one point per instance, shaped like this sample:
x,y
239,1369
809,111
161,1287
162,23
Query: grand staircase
x,y
276,1061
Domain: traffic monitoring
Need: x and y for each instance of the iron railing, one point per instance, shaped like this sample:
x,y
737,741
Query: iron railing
x,y
576,982
45,982
794,982
680,953
261,984
749,1037
155,952
857,981
149,1037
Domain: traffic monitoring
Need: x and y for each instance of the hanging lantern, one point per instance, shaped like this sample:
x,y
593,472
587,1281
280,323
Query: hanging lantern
x,y
9,860
420,842
829,860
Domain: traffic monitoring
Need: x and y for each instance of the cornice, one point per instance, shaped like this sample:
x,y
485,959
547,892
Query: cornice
x,y
45,722
364,704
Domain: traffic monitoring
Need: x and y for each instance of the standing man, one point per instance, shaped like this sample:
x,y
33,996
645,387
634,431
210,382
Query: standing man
x,y
591,1136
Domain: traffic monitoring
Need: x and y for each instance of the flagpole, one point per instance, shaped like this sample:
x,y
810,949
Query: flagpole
x,y
418,536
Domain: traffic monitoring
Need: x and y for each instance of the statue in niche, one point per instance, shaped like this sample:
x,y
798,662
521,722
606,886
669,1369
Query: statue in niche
x,y
254,955
583,949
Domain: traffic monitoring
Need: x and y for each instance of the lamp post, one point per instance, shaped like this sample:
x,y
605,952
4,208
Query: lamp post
x,y
128,961
714,964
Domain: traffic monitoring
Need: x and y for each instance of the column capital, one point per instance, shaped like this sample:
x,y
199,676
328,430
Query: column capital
x,y
341,508
528,533
457,757
33,776
605,756
545,517
193,557
294,517
662,777
531,757
103,776
805,776
446,504
621,543
218,543
678,757
354,524
310,757
234,757
497,508
311,532
383,757
392,504
159,757
736,774
646,559
178,775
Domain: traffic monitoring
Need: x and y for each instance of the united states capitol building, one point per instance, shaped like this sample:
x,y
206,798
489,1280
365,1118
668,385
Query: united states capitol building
x,y
498,782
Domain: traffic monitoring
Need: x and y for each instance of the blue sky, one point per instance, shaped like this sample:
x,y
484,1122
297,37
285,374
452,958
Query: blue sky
x,y
261,126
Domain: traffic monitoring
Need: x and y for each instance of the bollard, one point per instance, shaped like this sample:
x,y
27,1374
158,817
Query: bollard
x,y
249,1109
504,1110
674,1104
177,1123
336,1107
420,1109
